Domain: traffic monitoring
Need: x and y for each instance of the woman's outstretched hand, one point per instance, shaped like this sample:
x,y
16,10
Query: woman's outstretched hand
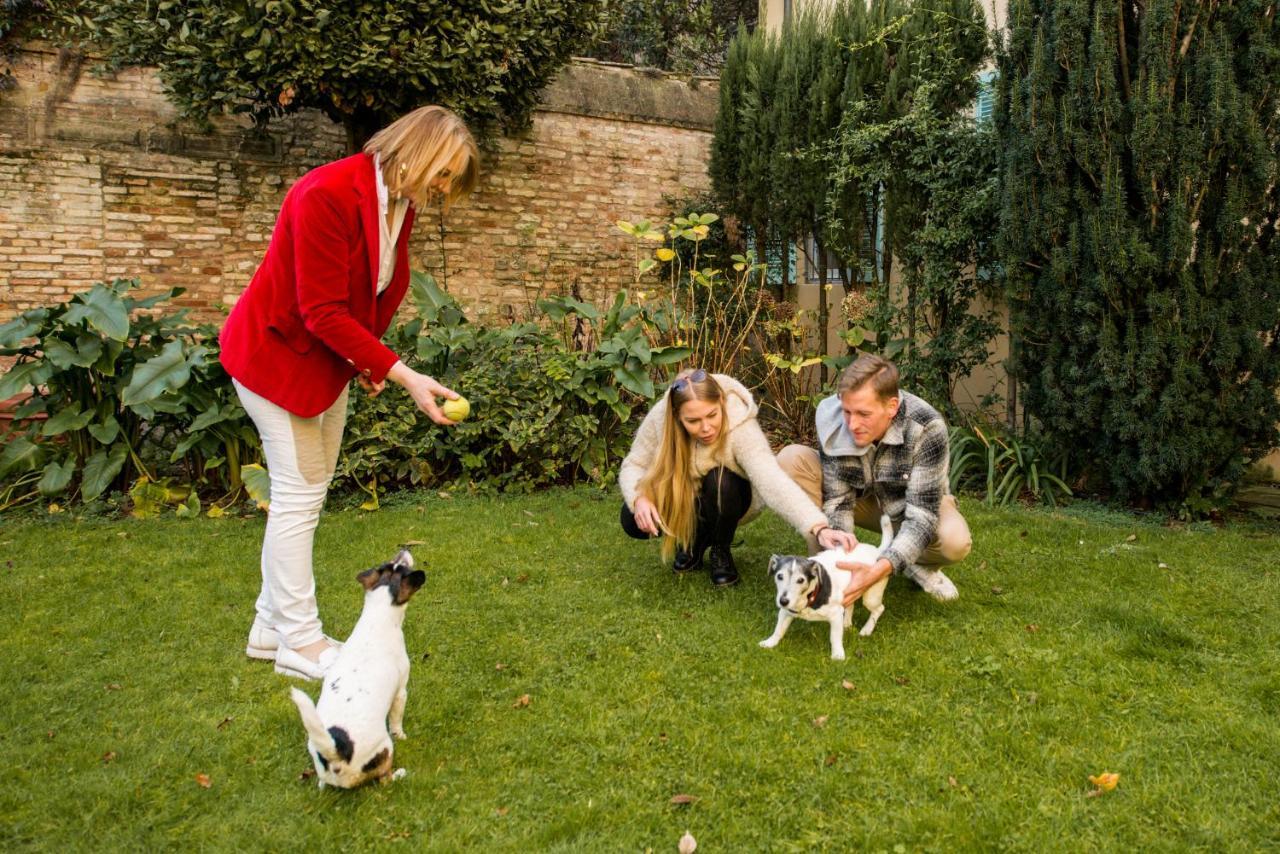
x,y
830,538
646,516
424,390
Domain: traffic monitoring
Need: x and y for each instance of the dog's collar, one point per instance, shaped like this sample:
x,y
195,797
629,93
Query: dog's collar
x,y
821,592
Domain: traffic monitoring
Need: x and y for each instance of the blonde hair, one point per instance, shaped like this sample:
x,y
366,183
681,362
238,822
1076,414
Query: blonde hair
x,y
870,368
669,481
418,147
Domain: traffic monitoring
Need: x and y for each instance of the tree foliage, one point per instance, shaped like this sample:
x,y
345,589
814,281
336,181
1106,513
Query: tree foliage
x,y
684,36
1141,170
851,115
361,63
936,171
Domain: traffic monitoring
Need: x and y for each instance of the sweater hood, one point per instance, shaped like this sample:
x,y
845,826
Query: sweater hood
x,y
833,436
739,405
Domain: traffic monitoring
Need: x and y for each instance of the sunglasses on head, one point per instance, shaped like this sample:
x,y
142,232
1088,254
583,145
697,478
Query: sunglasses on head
x,y
696,376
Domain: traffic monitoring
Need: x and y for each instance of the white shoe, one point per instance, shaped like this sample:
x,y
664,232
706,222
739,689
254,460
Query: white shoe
x,y
263,642
295,664
935,583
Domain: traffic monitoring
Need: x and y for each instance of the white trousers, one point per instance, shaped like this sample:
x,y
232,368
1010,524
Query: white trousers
x,y
301,455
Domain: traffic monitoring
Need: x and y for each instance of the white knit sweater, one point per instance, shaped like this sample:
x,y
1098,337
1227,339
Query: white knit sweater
x,y
746,452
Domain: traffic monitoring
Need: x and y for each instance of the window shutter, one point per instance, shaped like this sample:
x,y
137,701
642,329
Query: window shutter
x,y
984,108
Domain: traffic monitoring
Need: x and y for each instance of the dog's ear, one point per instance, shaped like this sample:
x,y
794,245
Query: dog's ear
x,y
408,585
403,561
811,569
775,563
370,577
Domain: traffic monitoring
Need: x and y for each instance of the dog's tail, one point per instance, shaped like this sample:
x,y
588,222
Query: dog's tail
x,y
886,534
320,737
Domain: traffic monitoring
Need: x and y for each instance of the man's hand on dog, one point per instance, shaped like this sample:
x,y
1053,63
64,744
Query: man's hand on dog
x,y
864,575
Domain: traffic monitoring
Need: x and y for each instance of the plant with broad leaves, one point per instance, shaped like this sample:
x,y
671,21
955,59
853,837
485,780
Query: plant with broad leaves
x,y
705,309
111,392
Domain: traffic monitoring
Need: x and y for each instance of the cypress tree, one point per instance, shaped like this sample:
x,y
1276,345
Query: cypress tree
x,y
1140,199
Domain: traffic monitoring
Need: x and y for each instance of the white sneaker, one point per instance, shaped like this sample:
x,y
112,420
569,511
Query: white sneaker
x,y
295,664
263,641
935,583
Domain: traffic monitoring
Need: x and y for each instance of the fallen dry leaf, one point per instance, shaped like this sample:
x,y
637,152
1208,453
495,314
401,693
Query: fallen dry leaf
x,y
501,811
982,565
951,781
1162,565
820,720
1106,781
830,760
522,578
114,686
308,774
997,591
51,733
1131,538
1032,627
204,781
683,800
529,513
662,737
408,543
522,702
500,666
109,756
223,723
847,685
902,680
444,495
687,844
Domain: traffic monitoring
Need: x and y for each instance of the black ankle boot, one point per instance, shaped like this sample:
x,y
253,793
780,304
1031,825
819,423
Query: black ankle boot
x,y
724,572
687,561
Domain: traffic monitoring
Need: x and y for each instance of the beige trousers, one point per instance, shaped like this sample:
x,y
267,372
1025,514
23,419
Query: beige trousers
x,y
301,455
951,542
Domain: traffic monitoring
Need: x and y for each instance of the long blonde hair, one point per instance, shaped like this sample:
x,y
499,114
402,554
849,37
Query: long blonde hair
x,y
669,483
417,147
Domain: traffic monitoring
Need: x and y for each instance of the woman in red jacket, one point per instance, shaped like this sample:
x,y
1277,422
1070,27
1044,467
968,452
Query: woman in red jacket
x,y
336,270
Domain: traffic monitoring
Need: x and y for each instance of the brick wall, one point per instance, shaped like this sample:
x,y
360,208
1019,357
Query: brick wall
x,y
98,180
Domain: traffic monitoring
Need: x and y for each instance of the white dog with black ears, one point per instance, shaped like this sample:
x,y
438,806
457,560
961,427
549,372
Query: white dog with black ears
x,y
813,589
366,686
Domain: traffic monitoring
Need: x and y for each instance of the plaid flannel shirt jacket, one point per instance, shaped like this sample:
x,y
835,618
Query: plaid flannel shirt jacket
x,y
906,472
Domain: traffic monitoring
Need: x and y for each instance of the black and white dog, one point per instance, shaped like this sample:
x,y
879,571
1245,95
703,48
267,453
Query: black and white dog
x,y
813,589
365,687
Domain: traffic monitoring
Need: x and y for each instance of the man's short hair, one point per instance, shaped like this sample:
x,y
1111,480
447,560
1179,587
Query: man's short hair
x,y
870,368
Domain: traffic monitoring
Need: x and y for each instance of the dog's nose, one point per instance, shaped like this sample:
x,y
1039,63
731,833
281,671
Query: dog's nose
x,y
784,601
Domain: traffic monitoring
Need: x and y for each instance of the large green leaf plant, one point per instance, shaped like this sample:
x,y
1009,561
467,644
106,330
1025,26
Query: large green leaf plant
x,y
112,400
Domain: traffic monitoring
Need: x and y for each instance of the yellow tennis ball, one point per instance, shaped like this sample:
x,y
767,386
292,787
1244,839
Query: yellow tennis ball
x,y
456,410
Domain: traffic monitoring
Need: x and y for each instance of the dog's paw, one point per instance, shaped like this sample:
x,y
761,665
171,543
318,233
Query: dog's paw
x,y
768,643
399,733
867,630
838,655
399,774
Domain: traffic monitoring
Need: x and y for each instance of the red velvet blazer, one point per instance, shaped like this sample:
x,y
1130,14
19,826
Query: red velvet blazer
x,y
311,317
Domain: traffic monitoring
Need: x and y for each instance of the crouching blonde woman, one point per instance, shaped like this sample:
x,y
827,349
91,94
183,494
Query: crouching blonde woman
x,y
699,466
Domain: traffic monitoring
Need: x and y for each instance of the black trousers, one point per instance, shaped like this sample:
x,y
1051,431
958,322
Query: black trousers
x,y
722,501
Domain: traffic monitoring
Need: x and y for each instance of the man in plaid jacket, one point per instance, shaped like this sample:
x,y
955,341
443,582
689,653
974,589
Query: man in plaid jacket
x,y
883,450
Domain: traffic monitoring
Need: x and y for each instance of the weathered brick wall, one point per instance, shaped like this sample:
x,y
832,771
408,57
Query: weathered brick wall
x,y
99,181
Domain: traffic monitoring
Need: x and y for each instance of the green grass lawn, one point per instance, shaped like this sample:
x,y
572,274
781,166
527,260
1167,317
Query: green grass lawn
x,y
1083,642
